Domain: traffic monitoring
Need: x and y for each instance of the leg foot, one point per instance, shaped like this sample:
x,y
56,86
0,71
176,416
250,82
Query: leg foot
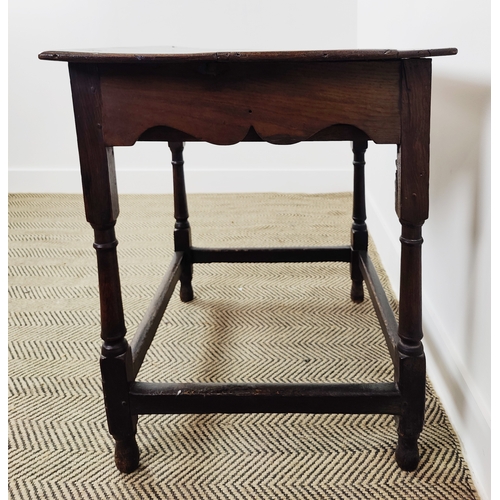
x,y
126,454
186,292
357,293
407,455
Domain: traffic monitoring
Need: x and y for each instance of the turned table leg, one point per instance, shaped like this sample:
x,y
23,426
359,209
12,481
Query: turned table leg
x,y
182,229
116,360
101,209
359,232
412,206
411,369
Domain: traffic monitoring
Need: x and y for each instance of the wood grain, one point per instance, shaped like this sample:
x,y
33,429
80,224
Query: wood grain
x,y
284,102
412,195
182,54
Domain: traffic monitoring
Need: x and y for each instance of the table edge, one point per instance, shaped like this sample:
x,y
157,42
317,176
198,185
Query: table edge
x,y
108,56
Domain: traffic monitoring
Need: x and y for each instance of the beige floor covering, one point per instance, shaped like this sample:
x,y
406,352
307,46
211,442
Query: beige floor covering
x,y
248,322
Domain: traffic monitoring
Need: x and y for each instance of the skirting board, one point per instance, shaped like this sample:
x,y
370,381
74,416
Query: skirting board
x,y
450,379
197,181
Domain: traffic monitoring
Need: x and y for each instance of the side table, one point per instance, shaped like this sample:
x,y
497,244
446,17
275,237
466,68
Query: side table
x,y
177,95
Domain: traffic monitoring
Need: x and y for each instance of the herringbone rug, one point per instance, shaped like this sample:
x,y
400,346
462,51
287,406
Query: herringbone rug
x,y
248,322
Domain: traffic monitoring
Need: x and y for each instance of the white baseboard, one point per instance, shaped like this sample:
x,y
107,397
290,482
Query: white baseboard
x,y
197,181
450,378
455,388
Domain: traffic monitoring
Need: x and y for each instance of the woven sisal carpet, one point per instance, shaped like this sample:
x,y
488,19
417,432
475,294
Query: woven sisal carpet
x,y
248,322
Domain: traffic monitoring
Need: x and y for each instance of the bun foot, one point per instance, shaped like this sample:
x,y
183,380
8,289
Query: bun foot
x,y
126,454
407,456
357,293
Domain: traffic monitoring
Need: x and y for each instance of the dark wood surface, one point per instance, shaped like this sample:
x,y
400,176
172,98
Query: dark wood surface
x,y
293,254
264,398
184,54
280,97
284,103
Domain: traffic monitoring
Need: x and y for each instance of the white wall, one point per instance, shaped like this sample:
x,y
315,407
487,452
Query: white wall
x,y
43,155
42,142
456,251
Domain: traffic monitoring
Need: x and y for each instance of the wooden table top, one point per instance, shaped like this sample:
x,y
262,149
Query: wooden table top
x,y
182,54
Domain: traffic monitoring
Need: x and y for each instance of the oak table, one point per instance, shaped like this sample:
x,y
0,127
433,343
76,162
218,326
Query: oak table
x,y
178,95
